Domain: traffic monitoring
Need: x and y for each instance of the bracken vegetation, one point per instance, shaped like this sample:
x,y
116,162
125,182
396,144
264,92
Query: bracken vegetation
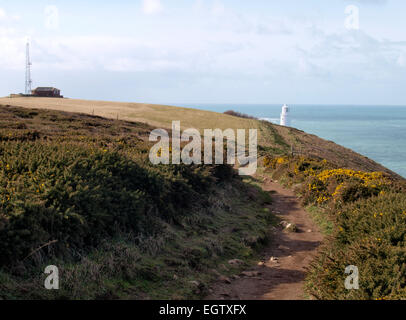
x,y
78,191
367,211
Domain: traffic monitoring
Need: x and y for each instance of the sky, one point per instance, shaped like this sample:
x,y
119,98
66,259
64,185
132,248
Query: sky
x,y
209,51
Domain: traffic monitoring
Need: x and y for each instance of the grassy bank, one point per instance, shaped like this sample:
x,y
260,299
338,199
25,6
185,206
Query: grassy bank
x,y
272,139
365,215
77,191
179,262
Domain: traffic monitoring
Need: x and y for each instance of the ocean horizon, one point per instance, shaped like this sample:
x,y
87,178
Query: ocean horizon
x,y
375,131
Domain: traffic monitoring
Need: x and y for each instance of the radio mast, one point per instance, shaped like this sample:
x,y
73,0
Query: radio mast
x,y
28,81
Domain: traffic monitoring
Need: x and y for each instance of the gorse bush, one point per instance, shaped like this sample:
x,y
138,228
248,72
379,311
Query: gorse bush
x,y
345,185
368,211
79,192
322,183
371,234
79,187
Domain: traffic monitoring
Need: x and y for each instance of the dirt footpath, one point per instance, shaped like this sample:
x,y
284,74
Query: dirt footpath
x,y
280,274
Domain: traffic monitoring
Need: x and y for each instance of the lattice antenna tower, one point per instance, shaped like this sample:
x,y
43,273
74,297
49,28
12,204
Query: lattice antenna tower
x,y
28,81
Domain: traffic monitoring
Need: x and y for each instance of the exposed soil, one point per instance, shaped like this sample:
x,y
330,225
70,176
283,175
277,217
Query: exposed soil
x,y
281,279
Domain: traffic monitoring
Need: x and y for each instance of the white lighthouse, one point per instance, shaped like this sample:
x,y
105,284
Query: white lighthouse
x,y
285,121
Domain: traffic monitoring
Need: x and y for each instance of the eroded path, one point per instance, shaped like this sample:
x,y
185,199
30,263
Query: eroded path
x,y
280,275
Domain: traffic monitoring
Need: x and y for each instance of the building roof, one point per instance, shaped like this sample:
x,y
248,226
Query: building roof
x,y
45,89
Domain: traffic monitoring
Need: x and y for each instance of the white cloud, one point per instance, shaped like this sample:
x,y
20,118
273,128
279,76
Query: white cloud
x,y
231,45
2,14
211,43
401,61
354,54
151,6
6,17
12,52
198,5
371,1
218,8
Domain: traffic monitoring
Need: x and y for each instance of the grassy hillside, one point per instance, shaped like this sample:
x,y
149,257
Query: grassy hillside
x,y
271,138
154,115
78,192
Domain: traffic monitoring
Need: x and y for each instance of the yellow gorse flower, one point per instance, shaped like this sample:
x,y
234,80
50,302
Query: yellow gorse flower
x,y
282,160
372,179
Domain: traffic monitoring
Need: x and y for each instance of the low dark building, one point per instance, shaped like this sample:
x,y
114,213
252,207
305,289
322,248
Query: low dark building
x,y
46,92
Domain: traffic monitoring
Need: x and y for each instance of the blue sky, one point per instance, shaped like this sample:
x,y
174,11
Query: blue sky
x,y
203,51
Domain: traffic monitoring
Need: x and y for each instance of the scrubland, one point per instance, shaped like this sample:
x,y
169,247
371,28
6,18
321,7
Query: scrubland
x,y
363,215
78,191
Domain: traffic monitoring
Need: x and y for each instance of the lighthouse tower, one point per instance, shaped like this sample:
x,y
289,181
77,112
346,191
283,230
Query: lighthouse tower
x,y
285,121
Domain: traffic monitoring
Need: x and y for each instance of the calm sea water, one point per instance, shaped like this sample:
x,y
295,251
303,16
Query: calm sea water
x,y
378,132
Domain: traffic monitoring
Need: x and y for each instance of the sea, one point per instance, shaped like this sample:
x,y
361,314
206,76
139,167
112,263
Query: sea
x,y
378,132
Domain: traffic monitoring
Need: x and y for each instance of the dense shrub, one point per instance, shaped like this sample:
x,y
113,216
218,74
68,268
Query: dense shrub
x,y
323,183
368,210
371,234
79,187
238,114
